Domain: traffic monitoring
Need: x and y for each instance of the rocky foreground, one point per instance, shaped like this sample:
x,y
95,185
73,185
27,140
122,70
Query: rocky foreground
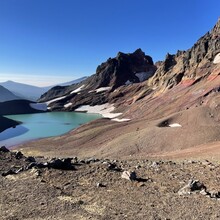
x,y
73,188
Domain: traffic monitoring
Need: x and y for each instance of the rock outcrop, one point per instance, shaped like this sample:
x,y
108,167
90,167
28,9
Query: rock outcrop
x,y
124,69
191,64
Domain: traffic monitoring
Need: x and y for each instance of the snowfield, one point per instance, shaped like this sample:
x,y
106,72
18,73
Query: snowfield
x,y
68,105
105,110
78,90
217,59
175,125
54,100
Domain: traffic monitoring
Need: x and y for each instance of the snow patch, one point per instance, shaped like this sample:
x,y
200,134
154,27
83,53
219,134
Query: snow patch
x,y
120,119
217,59
54,100
39,106
68,105
78,89
104,109
102,89
175,125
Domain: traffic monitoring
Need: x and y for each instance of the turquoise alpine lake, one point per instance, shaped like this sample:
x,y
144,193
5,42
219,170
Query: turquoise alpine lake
x,y
42,125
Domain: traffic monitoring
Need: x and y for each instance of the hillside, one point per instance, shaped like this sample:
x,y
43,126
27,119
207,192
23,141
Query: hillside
x,y
20,107
6,95
174,108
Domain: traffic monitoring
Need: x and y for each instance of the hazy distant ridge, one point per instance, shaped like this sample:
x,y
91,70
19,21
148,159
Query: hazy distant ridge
x,y
6,95
30,92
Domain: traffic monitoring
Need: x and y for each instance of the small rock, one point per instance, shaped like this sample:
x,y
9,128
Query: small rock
x,y
9,172
155,164
19,170
75,159
214,194
30,159
138,167
129,175
63,164
193,185
18,155
140,184
203,192
35,164
113,167
4,149
100,185
82,161
91,160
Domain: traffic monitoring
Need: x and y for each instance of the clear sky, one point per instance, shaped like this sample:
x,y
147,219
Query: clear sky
x,y
49,41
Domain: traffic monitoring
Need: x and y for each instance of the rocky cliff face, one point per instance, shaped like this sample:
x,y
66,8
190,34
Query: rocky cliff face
x,y
124,69
192,64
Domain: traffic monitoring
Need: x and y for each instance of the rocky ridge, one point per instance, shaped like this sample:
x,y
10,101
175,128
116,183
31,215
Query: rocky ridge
x,y
127,78
192,64
122,70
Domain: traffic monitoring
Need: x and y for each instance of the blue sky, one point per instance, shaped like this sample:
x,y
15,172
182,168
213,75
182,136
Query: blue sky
x,y
43,42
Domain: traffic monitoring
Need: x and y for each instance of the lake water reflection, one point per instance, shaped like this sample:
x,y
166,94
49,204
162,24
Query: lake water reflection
x,y
35,126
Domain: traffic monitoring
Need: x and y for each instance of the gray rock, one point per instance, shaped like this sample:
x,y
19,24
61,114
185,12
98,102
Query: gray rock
x,y
4,149
214,194
18,155
129,175
91,160
113,167
100,185
9,172
63,164
30,159
193,185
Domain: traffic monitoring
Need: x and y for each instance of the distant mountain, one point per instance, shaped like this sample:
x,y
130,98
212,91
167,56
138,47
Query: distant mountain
x,y
73,81
30,92
23,90
6,95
